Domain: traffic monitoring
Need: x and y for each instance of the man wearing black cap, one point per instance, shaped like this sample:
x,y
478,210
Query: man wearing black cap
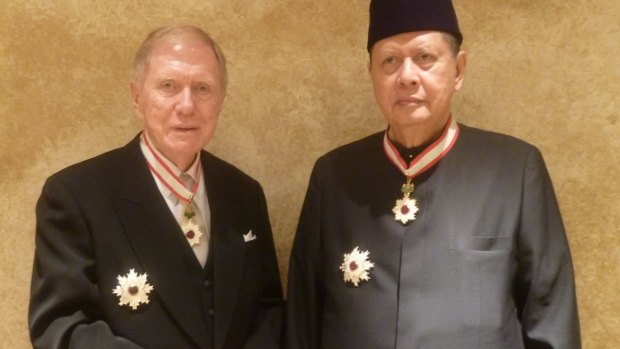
x,y
430,234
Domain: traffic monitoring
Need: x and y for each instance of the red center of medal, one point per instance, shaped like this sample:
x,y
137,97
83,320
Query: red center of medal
x,y
352,266
190,234
132,290
404,209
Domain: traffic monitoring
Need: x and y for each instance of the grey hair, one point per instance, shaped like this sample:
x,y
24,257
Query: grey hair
x,y
142,58
455,47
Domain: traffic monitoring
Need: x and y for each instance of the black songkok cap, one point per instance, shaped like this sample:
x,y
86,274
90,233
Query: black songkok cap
x,y
392,17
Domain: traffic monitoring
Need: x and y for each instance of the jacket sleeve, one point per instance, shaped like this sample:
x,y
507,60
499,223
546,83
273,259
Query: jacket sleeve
x,y
545,290
64,301
305,295
268,333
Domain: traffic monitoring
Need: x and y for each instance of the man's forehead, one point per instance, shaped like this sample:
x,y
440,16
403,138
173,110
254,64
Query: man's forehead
x,y
418,38
168,63
178,44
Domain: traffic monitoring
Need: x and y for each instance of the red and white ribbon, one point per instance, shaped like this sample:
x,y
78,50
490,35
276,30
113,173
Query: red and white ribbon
x,y
161,168
429,157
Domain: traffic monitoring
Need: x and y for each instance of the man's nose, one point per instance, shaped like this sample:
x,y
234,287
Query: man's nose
x,y
409,73
185,106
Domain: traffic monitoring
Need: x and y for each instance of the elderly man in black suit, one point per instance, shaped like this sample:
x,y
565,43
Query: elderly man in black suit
x,y
430,234
158,244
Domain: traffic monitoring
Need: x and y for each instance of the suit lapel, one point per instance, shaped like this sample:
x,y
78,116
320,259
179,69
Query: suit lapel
x,y
152,231
228,246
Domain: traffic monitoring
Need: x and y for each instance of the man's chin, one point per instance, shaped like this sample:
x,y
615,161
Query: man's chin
x,y
183,147
410,119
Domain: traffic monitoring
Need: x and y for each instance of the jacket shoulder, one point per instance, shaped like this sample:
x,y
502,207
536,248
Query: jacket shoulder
x,y
224,169
103,166
479,136
360,148
493,144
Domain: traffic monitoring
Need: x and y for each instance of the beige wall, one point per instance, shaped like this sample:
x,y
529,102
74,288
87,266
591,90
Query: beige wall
x,y
545,71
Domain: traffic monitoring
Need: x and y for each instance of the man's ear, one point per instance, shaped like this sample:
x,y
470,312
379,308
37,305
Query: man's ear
x,y
135,94
461,64
369,62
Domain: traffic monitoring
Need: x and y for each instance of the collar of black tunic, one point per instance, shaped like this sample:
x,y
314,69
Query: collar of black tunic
x,y
408,154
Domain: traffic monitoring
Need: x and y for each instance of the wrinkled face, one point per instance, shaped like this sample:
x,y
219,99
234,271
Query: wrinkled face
x,y
414,77
179,98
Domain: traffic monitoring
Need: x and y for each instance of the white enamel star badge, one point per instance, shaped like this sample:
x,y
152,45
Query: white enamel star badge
x,y
192,232
132,289
356,266
405,210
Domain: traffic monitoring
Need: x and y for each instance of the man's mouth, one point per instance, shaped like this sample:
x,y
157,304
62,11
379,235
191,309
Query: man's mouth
x,y
185,128
409,100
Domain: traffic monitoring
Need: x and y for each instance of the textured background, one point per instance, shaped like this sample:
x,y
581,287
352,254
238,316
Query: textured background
x,y
545,71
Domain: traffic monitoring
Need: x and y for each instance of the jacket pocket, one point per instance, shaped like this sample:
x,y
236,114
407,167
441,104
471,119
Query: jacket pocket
x,y
481,244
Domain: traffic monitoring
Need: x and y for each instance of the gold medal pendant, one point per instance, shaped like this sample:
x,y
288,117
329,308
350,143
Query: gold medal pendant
x,y
191,230
407,207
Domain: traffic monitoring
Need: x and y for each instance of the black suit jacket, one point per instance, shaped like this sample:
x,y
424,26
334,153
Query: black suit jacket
x,y
98,219
486,263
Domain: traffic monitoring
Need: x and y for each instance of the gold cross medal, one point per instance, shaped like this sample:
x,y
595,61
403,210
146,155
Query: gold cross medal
x,y
407,207
191,230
